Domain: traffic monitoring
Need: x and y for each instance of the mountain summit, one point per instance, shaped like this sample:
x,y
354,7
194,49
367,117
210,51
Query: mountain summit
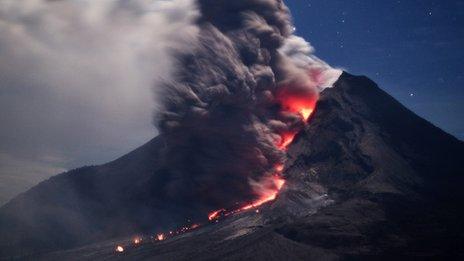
x,y
366,177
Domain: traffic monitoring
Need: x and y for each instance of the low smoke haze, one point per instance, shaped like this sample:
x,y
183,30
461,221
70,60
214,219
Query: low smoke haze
x,y
76,81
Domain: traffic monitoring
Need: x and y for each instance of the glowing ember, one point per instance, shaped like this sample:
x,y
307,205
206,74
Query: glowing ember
x,y
119,249
194,226
215,214
137,240
160,237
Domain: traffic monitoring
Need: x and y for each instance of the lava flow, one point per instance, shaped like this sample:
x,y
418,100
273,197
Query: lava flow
x,y
302,105
137,240
286,139
270,186
214,215
268,192
270,195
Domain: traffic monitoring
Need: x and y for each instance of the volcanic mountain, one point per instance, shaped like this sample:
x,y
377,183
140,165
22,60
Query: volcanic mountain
x,y
365,178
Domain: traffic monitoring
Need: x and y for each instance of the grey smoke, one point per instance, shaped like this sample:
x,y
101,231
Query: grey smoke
x,y
76,80
220,116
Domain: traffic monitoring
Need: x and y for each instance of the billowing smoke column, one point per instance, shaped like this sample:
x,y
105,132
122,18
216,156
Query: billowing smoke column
x,y
237,102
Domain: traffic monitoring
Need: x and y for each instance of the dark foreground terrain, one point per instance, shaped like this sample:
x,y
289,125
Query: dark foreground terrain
x,y
366,178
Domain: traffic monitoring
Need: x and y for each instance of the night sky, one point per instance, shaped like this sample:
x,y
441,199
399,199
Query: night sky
x,y
412,48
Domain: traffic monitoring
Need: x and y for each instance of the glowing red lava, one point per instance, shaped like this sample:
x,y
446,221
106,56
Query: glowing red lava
x,y
268,195
137,240
160,237
119,249
286,139
306,112
302,104
215,214
269,187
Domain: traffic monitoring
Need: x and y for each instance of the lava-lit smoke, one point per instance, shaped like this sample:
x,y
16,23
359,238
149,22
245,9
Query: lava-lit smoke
x,y
237,103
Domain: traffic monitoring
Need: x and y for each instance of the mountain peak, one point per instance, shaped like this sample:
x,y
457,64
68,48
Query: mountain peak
x,y
357,178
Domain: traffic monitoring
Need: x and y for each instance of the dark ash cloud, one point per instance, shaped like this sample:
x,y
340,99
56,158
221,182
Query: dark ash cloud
x,y
220,115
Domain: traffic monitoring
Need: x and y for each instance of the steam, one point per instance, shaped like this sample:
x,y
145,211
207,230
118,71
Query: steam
x,y
302,56
227,114
76,79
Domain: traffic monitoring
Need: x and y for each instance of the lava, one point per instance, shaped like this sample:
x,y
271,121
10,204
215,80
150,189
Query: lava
x,y
306,112
215,214
286,139
137,240
160,237
268,195
269,187
119,249
302,104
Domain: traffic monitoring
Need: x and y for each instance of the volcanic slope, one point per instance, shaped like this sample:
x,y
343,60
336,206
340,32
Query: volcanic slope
x,y
367,177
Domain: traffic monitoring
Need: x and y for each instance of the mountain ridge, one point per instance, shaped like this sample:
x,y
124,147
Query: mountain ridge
x,y
358,178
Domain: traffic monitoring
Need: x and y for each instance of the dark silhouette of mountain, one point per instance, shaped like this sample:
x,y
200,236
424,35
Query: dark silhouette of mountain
x,y
366,178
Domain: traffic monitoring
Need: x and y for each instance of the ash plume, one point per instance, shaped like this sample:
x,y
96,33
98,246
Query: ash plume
x,y
226,113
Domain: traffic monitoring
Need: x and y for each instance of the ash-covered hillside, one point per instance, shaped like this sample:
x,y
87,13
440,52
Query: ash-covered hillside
x,y
365,178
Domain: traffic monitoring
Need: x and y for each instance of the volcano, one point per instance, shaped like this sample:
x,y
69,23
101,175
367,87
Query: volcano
x,y
365,178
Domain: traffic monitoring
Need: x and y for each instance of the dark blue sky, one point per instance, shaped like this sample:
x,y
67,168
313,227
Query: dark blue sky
x,y
412,48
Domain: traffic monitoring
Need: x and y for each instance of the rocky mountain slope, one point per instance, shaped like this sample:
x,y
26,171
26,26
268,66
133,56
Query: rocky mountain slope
x,y
367,177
